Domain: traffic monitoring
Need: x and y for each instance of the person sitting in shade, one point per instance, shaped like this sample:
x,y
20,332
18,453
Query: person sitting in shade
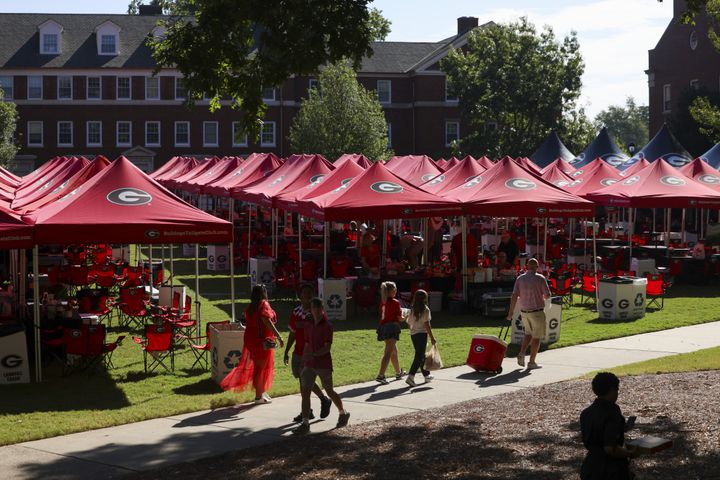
x,y
508,247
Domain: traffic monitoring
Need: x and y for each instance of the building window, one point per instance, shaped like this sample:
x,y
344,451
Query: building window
x,y
313,83
35,88
35,134
180,90
210,134
268,94
65,134
384,88
108,44
666,98
267,134
449,97
64,86
152,88
123,134
93,88
695,84
50,44
182,134
94,134
152,134
389,132
452,133
239,137
6,85
123,88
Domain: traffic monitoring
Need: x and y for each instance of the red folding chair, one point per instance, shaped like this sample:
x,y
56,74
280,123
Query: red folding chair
x,y
181,321
83,347
588,286
79,276
340,266
200,346
105,276
75,254
96,302
562,285
309,270
365,295
108,350
656,289
158,344
134,306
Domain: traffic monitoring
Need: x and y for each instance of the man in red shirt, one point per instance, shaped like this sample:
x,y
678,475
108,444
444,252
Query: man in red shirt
x,y
298,319
456,250
318,363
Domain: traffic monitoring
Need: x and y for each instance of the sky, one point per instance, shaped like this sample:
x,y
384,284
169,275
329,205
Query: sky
x,y
614,35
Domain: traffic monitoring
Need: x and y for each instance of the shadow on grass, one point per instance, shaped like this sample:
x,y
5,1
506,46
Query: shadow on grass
x,y
201,387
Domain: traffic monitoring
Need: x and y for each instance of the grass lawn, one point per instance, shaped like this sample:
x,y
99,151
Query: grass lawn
x,y
707,359
62,405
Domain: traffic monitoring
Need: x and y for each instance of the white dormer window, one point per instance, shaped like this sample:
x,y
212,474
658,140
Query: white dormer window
x,y
108,38
50,32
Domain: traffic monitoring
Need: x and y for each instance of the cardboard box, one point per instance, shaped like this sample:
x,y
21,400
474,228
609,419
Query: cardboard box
x,y
227,342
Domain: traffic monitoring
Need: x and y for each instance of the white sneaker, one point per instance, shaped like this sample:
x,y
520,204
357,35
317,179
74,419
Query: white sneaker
x,y
410,380
521,360
428,378
533,366
265,398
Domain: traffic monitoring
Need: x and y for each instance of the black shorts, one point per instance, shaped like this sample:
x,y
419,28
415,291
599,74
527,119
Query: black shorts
x,y
388,331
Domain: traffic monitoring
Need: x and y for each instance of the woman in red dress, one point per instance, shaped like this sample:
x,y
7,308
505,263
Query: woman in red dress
x,y
257,363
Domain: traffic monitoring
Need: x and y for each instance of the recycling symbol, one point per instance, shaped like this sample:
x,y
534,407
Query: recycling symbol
x,y
230,361
266,277
334,302
253,277
639,300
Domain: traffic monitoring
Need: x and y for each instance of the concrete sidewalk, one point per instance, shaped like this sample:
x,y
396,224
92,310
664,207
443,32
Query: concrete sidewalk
x,y
115,451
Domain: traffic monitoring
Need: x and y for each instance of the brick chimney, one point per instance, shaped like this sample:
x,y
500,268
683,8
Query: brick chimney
x,y
149,10
466,23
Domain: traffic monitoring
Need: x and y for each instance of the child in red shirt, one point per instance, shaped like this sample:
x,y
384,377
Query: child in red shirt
x,y
389,330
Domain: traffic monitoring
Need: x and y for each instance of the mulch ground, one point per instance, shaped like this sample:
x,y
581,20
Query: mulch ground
x,y
531,434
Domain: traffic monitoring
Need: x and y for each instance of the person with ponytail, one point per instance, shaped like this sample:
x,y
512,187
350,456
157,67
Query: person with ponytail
x,y
389,330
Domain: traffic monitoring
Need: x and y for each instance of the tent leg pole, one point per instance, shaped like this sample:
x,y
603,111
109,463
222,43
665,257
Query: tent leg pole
x,y
231,208
631,230
682,226
384,243
595,265
326,225
197,289
463,227
172,267
36,314
545,234
300,261
248,237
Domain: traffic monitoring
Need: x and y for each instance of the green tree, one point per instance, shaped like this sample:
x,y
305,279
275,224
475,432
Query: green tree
x,y
8,122
341,116
626,123
379,25
577,131
524,82
235,48
706,113
170,7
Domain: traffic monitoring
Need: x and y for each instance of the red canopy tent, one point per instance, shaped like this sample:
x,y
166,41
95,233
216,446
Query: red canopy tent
x,y
361,160
526,163
30,204
452,162
635,168
73,164
554,174
507,189
604,175
485,162
467,169
41,169
295,173
702,172
257,166
561,164
416,169
335,179
14,233
195,172
587,169
181,167
659,185
441,163
221,169
122,204
167,166
8,178
376,193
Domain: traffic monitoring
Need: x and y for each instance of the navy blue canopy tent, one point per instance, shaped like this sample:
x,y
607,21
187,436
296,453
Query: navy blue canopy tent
x,y
551,149
663,145
603,148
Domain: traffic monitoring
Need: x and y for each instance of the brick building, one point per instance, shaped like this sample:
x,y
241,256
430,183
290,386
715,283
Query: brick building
x,y
683,59
83,85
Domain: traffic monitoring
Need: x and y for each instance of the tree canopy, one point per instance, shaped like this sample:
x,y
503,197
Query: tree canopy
x,y
234,48
514,85
340,116
8,123
627,124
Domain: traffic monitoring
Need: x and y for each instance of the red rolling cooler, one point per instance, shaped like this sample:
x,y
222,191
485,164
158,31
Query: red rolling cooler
x,y
486,353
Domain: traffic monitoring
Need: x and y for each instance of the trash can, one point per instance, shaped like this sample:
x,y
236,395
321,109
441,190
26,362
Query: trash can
x,y
622,298
13,354
553,318
218,257
227,340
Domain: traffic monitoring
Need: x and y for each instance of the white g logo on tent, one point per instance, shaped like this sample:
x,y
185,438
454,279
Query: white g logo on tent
x,y
562,183
708,179
277,180
675,160
612,159
576,173
386,187
631,180
472,181
129,197
606,182
427,177
63,185
438,179
316,179
672,181
520,184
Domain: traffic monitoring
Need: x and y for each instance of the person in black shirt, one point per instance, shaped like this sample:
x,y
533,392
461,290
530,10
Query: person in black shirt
x,y
509,247
603,434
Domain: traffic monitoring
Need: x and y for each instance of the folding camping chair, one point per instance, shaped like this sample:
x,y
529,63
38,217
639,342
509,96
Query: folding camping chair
x,y
587,287
200,350
108,350
181,320
561,285
656,289
158,343
84,347
79,276
133,304
95,302
105,276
